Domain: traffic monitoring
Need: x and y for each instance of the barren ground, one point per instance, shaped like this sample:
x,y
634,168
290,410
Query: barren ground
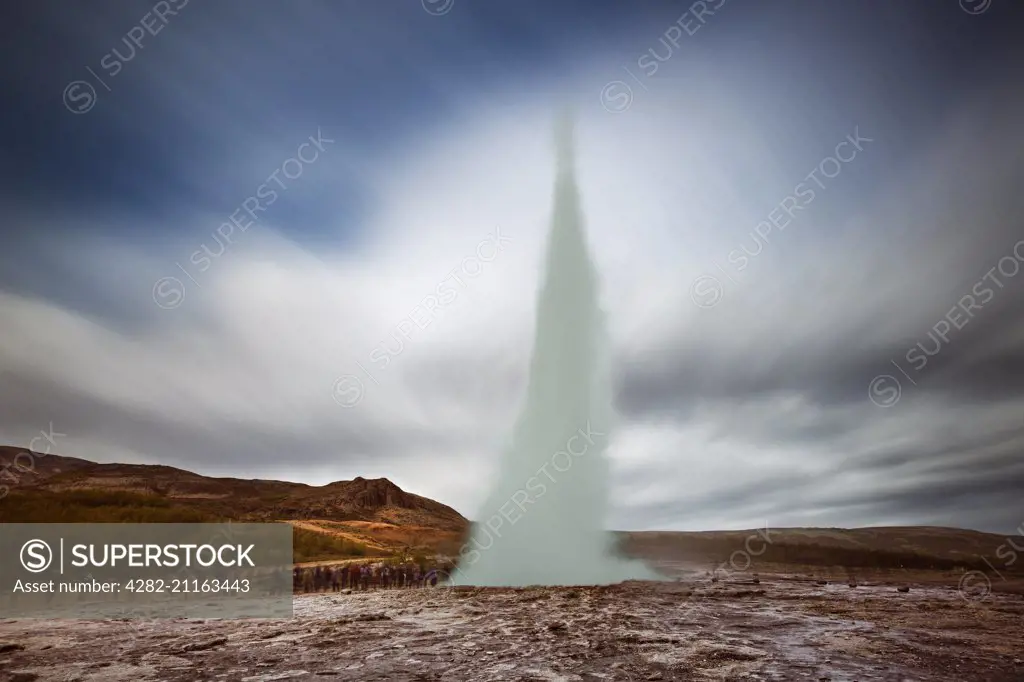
x,y
786,627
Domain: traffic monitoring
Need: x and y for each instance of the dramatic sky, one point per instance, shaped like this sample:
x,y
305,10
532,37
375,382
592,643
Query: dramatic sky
x,y
806,215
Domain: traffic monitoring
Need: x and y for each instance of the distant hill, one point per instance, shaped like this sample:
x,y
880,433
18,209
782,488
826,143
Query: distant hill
x,y
891,547
374,517
357,517
32,467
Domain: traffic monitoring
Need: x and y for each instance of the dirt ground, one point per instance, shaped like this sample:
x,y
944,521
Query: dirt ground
x,y
785,626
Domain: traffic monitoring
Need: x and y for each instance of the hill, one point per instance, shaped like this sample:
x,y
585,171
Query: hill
x,y
22,467
374,517
913,547
345,518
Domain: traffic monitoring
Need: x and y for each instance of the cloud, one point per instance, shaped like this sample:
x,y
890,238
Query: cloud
x,y
755,409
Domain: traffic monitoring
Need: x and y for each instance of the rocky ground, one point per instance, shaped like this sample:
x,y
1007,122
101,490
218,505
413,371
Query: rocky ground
x,y
781,627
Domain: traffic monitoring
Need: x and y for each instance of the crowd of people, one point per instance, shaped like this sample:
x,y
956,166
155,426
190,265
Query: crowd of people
x,y
333,578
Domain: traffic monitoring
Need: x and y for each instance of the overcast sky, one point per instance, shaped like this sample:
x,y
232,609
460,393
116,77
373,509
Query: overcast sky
x,y
788,203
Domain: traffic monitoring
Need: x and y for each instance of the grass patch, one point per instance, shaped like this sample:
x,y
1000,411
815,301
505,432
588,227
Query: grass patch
x,y
309,545
96,506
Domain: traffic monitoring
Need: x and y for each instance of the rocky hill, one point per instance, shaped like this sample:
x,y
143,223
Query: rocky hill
x,y
373,515
21,467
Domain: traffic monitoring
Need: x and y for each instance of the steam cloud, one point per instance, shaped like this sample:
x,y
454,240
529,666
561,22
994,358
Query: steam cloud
x,y
543,523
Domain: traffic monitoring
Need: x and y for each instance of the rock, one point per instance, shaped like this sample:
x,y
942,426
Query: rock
x,y
851,584
556,626
821,582
903,589
270,634
23,677
757,581
714,580
1017,661
370,617
203,646
10,646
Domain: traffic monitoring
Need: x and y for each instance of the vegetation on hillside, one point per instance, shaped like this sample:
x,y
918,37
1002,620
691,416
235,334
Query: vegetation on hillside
x,y
96,506
739,554
863,558
309,545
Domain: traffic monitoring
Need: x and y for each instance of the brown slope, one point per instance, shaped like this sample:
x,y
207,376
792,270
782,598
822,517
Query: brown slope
x,y
922,547
369,500
22,467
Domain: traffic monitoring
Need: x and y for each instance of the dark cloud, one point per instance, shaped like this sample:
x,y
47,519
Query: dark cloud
x,y
755,409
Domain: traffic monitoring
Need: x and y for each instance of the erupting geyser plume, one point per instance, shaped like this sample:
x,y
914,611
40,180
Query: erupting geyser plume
x,y
543,523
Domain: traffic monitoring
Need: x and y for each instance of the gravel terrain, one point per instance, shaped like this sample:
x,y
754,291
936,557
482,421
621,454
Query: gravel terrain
x,y
781,627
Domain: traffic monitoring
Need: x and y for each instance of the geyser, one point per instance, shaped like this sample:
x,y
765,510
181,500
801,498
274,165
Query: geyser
x,y
543,522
